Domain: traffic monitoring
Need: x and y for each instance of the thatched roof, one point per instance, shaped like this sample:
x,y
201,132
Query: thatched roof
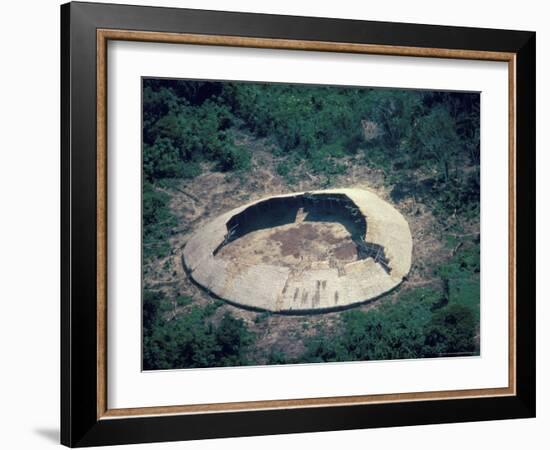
x,y
276,288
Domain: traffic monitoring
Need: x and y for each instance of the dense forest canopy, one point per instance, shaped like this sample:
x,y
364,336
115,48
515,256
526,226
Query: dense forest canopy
x,y
189,122
192,126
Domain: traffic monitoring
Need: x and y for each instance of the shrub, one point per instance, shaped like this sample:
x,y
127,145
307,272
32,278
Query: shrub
x,y
191,340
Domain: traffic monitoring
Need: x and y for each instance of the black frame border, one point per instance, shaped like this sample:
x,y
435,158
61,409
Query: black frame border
x,y
79,423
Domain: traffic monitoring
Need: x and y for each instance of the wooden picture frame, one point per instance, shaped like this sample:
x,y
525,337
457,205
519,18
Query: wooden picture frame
x,y
86,418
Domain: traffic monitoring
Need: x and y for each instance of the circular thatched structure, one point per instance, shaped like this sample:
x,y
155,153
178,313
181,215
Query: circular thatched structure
x,y
251,256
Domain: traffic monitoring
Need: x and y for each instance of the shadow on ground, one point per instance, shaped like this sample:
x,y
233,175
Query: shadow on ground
x,y
49,434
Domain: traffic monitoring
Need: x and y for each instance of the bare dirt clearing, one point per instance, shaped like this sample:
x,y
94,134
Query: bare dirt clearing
x,y
294,245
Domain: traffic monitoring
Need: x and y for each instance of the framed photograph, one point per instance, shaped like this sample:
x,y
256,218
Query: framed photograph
x,y
277,224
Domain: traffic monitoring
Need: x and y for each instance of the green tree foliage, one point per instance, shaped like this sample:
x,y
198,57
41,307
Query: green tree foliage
x,y
301,119
186,123
191,339
415,326
451,332
391,331
234,157
437,137
190,121
461,278
157,222
396,112
232,337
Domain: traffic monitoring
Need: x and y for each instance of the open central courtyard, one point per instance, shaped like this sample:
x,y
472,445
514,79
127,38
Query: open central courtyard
x,y
302,252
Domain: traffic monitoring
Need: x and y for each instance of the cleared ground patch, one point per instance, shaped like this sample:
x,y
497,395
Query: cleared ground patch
x,y
299,243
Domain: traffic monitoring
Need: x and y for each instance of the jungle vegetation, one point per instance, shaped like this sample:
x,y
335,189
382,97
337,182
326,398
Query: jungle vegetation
x,y
421,323
190,125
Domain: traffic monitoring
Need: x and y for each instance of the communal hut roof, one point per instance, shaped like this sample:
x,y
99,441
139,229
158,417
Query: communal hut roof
x,y
277,288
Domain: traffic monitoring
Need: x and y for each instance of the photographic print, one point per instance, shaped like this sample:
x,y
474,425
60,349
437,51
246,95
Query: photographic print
x,y
293,224
303,205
